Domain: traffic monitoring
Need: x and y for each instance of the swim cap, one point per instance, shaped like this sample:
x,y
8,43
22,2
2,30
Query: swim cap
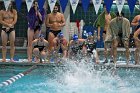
x,y
41,35
89,34
60,35
75,37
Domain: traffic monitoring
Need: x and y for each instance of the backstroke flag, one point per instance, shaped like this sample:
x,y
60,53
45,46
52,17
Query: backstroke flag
x,y
18,4
6,3
41,4
108,4
29,4
97,4
63,4
131,4
74,4
85,4
120,4
52,4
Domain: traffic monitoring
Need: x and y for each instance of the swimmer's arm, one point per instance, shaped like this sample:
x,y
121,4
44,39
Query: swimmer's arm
x,y
98,32
15,18
40,16
1,19
63,20
82,40
69,46
135,22
34,42
99,28
64,45
48,21
46,46
136,36
55,44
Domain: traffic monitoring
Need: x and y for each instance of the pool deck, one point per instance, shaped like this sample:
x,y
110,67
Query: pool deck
x,y
121,65
25,63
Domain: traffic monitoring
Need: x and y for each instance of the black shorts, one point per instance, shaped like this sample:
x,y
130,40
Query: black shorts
x,y
120,35
10,30
55,32
104,32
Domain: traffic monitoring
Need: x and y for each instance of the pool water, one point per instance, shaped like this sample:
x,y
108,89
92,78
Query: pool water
x,y
74,77
8,71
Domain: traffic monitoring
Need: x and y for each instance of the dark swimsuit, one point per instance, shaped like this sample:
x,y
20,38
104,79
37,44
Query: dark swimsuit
x,y
104,32
90,46
75,49
41,48
55,32
10,30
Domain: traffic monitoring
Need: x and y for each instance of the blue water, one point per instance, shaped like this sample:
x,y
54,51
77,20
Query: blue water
x,y
73,78
8,71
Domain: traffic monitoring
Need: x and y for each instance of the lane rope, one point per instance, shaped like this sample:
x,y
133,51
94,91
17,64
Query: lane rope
x,y
16,77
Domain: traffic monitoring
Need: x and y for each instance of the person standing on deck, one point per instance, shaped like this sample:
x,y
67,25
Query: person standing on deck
x,y
8,19
55,21
103,21
119,29
35,20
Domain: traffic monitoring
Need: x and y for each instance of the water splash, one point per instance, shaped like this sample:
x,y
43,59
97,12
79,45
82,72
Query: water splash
x,y
83,77
74,76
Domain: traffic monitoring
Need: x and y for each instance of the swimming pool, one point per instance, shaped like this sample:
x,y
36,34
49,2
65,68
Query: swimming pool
x,y
72,78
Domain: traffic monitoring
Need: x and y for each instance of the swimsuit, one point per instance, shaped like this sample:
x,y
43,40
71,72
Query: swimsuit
x,y
41,48
55,32
90,47
76,48
10,30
